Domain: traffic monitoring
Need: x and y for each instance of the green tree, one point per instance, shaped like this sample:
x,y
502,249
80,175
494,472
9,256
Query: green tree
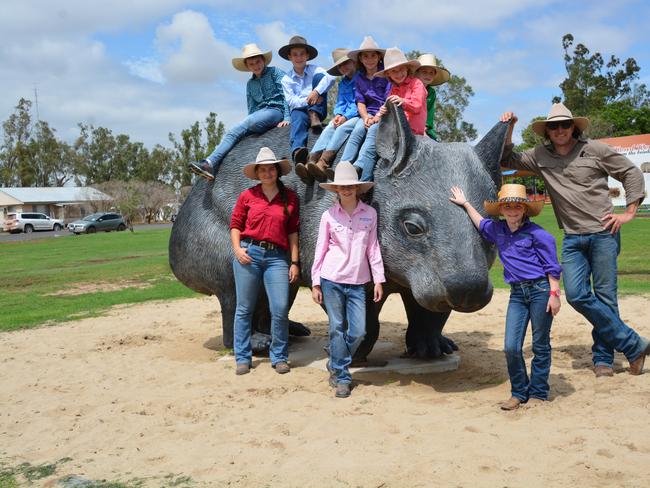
x,y
52,161
14,152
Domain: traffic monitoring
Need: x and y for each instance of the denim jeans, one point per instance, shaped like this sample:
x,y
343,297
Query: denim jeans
x,y
528,301
271,268
256,123
300,118
590,258
355,141
368,155
333,138
344,304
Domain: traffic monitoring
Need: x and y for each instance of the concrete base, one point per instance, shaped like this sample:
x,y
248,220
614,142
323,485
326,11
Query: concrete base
x,y
309,351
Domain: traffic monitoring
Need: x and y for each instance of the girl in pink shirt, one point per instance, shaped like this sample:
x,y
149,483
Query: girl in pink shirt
x,y
347,257
407,91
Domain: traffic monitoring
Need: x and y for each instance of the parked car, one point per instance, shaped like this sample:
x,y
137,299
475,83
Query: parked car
x,y
92,223
30,221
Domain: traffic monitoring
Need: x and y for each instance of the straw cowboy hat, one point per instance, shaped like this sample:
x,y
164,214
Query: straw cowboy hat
x,y
368,44
512,193
250,51
298,41
340,56
395,58
266,156
346,175
558,113
442,74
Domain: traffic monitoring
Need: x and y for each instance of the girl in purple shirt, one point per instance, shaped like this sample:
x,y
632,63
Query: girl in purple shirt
x,y
531,268
347,256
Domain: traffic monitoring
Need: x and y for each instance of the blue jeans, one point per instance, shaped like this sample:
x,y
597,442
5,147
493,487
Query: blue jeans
x,y
270,267
592,257
256,123
300,118
344,303
333,138
355,141
528,301
368,155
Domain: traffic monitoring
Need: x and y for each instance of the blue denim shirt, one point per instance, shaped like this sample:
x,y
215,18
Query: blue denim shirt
x,y
346,104
266,92
529,253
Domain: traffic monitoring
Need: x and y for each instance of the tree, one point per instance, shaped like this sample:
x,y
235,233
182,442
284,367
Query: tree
x,y
14,152
51,160
452,98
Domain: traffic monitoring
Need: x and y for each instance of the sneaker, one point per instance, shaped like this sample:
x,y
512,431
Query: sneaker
x,y
281,367
243,368
342,390
203,169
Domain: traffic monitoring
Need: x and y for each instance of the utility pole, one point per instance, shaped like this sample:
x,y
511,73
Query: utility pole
x,y
38,116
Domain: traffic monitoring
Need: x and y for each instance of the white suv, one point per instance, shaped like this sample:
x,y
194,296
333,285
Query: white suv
x,y
29,221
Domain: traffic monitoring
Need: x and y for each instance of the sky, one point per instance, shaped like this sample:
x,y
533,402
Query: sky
x,y
150,67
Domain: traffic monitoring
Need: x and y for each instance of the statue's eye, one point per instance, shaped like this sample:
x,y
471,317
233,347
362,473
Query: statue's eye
x,y
414,228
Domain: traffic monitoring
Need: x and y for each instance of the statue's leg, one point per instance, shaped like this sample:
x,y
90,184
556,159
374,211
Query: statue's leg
x,y
424,337
228,302
372,327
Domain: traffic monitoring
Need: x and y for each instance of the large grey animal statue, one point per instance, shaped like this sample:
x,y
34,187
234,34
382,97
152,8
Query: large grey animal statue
x,y
433,256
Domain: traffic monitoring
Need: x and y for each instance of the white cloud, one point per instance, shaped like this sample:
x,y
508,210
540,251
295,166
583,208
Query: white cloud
x,y
146,68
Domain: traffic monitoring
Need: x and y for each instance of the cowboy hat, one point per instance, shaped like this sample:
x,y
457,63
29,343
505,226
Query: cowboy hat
x,y
442,74
368,44
340,56
512,193
298,41
394,58
266,156
250,51
558,113
346,175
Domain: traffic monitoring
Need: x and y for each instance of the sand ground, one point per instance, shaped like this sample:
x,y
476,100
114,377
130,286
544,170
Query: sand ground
x,y
140,393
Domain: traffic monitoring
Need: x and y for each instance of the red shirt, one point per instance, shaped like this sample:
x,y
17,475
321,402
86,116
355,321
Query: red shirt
x,y
414,93
257,218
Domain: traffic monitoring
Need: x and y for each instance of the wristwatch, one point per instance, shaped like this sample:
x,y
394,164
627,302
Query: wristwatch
x,y
555,293
297,263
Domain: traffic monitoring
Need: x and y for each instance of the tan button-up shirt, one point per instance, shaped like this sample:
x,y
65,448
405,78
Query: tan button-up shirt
x,y
577,182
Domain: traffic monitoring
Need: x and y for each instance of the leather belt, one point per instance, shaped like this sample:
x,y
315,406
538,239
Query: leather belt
x,y
264,244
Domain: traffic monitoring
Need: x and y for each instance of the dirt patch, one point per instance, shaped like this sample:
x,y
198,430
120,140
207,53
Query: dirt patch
x,y
85,288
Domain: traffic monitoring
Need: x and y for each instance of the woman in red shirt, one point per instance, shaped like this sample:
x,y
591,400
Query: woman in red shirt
x,y
264,236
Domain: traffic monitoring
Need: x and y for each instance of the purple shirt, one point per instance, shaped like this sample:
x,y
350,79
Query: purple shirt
x,y
371,92
527,254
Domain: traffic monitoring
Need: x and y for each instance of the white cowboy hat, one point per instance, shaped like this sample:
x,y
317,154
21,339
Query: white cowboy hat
x,y
346,175
558,113
368,44
442,74
395,58
298,41
266,156
512,193
250,51
340,56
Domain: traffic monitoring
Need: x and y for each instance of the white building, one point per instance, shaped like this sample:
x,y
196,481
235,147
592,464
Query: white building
x,y
637,149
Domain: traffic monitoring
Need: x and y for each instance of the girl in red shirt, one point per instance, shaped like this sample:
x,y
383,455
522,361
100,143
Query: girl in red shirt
x,y
264,237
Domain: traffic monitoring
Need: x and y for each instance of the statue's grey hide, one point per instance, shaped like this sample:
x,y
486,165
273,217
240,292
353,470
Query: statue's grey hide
x,y
433,255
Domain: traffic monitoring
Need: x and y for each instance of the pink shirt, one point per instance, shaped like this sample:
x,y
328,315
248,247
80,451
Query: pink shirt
x,y
414,93
347,248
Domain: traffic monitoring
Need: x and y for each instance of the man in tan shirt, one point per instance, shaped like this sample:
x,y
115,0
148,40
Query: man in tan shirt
x,y
575,172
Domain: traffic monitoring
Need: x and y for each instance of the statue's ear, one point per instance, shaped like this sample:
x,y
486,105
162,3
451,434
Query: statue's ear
x,y
395,139
490,148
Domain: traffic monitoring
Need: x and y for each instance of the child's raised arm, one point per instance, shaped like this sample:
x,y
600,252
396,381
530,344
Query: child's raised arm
x,y
460,200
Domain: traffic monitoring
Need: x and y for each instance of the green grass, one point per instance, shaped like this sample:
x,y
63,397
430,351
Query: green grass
x,y
36,273
633,262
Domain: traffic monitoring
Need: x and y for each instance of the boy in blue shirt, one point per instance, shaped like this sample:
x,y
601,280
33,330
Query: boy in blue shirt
x,y
337,131
305,90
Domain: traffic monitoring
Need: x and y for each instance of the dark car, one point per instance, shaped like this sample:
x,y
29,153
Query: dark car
x,y
101,221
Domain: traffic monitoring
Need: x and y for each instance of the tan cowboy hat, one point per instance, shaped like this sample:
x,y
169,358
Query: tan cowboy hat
x,y
340,56
442,74
368,44
395,58
266,156
250,51
512,193
298,41
346,175
558,113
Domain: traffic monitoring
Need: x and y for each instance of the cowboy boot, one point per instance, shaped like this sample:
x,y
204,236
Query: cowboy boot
x,y
318,169
315,122
299,157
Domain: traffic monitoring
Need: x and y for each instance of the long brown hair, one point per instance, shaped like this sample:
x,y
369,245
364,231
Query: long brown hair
x,y
282,190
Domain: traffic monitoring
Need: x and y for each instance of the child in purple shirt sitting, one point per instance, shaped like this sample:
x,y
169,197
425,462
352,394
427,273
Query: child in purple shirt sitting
x,y
531,268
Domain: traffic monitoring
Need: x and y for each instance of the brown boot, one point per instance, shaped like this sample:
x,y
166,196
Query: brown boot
x,y
318,169
636,366
314,122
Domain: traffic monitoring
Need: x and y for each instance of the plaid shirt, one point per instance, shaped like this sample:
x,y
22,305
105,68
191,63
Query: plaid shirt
x,y
266,92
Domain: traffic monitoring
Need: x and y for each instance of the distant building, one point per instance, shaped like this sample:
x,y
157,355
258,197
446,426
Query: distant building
x,y
67,203
637,150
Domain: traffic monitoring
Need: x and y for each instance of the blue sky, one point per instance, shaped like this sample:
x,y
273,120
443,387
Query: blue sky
x,y
150,67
